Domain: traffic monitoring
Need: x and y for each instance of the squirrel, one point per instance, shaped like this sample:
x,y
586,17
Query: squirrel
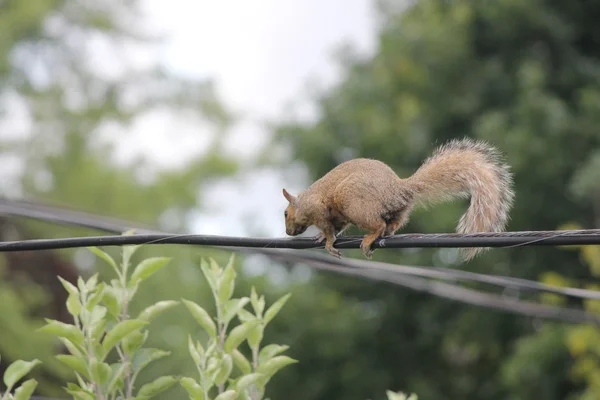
x,y
367,193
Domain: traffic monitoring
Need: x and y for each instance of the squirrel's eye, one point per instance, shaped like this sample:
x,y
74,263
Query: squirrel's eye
x,y
285,214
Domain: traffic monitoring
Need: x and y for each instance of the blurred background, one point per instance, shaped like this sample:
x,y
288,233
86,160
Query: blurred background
x,y
191,116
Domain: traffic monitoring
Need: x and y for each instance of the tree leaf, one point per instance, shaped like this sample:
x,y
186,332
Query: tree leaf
x,y
227,395
202,317
18,370
73,305
209,275
101,372
147,268
270,351
255,335
247,380
26,389
119,331
238,334
133,341
157,386
75,363
241,362
269,368
196,356
63,330
275,307
116,377
226,284
245,315
69,287
106,258
143,357
224,370
193,388
152,311
232,307
111,302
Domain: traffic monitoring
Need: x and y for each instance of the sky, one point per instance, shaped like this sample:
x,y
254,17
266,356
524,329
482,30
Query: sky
x,y
261,55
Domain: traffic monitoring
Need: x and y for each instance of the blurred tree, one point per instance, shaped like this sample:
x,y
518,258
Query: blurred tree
x,y
524,76
76,77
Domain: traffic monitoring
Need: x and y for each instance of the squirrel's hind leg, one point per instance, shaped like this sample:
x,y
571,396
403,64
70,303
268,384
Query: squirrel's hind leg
x,y
368,240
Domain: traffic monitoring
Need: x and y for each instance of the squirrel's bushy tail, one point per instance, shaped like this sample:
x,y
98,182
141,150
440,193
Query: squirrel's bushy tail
x,y
463,168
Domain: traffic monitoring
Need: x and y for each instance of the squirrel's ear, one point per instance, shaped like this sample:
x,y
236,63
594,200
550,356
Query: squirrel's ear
x,y
288,196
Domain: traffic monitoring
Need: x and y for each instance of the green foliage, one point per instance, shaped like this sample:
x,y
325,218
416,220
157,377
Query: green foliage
x,y
400,396
215,360
102,326
521,75
13,374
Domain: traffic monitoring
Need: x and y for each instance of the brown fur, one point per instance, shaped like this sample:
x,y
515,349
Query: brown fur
x,y
367,193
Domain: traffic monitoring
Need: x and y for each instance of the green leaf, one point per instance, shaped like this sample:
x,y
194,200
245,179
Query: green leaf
x,y
152,311
79,393
111,302
239,334
63,330
275,307
69,287
227,395
245,315
232,308
90,285
116,377
96,297
73,362
226,284
209,275
255,302
196,356
18,370
133,341
247,380
143,357
26,389
194,390
255,336
128,251
224,370
100,371
97,314
71,347
202,317
147,268
119,331
157,386
106,258
270,351
273,365
241,362
73,305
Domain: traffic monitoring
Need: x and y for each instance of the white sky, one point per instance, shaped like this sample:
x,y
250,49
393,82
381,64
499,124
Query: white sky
x,y
261,54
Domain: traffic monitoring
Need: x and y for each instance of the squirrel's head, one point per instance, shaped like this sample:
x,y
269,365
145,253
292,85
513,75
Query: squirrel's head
x,y
294,223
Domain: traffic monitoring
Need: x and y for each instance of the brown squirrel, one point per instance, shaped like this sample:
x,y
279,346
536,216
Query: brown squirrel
x,y
368,194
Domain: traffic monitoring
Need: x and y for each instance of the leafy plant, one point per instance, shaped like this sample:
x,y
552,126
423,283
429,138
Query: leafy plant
x,y
103,328
400,396
215,360
13,374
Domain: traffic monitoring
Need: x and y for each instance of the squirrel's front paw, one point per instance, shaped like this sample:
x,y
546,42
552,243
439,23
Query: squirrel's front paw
x,y
318,238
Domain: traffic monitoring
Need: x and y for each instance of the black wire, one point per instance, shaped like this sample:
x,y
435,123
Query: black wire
x,y
365,269
346,242
62,215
